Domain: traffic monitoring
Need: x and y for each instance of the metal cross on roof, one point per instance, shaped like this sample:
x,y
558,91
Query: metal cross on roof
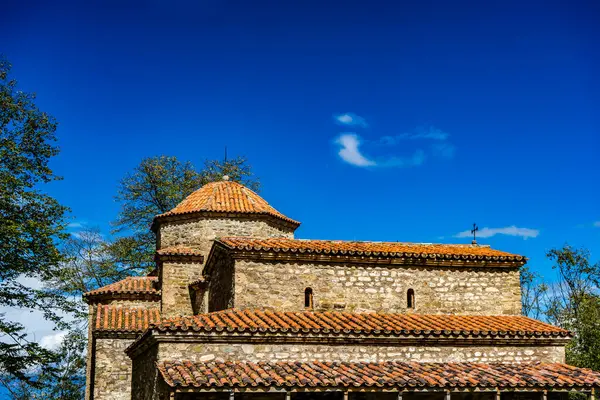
x,y
474,232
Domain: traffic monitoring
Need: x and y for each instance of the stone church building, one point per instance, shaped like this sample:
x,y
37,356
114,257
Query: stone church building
x,y
240,309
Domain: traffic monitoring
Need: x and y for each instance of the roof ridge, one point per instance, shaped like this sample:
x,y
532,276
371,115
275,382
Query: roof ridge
x,y
360,241
123,287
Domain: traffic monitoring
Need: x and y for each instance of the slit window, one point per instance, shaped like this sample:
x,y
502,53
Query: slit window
x,y
410,299
308,298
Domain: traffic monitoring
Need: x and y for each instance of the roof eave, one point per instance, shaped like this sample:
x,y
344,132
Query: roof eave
x,y
272,254
293,224
95,298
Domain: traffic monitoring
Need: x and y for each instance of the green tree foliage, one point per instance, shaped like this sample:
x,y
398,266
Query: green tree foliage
x,y
31,224
575,304
577,280
533,293
156,186
571,302
584,349
237,169
65,381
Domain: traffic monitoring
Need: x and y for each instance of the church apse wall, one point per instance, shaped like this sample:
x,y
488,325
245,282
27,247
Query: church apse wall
x,y
362,287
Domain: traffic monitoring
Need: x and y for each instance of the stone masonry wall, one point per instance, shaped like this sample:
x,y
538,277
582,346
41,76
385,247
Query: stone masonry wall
x,y
108,372
221,289
146,383
199,234
90,354
199,298
175,280
361,287
112,370
356,353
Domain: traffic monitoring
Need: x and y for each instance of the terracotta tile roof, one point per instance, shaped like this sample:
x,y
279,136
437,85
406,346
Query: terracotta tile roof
x,y
178,251
391,249
390,374
125,319
226,196
363,323
135,285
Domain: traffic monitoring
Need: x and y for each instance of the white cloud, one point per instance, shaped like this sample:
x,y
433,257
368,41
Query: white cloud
x,y
30,282
525,233
429,133
350,119
418,158
74,225
350,151
37,328
597,224
52,341
439,146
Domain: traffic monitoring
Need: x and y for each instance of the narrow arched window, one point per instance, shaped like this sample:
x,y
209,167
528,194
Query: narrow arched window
x,y
308,298
410,298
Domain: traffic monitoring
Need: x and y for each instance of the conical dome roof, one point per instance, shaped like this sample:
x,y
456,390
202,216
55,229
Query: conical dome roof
x,y
228,197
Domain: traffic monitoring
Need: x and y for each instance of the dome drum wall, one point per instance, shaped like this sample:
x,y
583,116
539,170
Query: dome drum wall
x,y
217,209
198,230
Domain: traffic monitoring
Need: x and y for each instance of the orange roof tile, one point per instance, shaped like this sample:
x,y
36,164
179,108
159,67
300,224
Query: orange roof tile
x,y
229,197
178,251
391,249
125,319
363,323
389,374
135,285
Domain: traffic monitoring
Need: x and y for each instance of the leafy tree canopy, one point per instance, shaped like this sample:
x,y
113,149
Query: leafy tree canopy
x,y
571,302
31,224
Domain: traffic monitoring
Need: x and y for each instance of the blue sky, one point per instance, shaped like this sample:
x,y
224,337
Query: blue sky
x,y
363,120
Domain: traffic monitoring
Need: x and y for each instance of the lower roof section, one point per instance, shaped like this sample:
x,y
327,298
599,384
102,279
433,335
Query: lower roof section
x,y
384,375
116,319
259,321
